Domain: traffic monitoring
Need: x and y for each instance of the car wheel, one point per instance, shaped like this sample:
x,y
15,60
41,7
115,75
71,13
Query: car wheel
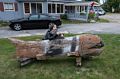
x,y
51,24
17,27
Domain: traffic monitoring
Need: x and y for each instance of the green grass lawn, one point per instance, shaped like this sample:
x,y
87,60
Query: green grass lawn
x,y
72,21
105,66
100,20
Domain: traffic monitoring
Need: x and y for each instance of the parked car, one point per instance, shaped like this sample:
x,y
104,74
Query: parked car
x,y
99,10
35,21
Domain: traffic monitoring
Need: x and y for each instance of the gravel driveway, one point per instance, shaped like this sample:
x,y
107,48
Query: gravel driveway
x,y
96,28
115,18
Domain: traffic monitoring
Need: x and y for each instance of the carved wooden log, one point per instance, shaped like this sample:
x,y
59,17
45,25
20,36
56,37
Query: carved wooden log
x,y
78,46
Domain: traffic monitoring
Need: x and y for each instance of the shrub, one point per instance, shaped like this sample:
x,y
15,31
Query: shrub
x,y
91,16
82,13
63,16
3,23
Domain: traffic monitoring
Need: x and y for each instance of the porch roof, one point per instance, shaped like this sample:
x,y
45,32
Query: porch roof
x,y
48,1
62,0
81,3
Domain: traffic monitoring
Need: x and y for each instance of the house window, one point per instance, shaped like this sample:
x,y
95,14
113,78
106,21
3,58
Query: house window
x,y
49,8
61,8
58,8
32,8
86,8
82,8
39,8
27,7
9,7
78,9
55,8
70,9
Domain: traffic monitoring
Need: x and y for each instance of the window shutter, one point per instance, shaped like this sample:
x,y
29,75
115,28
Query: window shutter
x,y
16,6
1,6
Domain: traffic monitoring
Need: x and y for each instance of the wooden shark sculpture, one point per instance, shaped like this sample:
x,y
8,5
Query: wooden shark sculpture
x,y
85,45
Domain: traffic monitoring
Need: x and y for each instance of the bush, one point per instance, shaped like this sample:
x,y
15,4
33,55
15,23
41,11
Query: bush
x,y
109,4
117,10
82,14
91,16
3,23
64,16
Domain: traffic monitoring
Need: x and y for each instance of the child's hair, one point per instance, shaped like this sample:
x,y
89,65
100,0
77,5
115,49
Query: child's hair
x,y
51,26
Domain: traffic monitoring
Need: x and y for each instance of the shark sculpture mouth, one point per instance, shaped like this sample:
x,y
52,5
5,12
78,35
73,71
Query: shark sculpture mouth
x,y
98,45
77,46
97,49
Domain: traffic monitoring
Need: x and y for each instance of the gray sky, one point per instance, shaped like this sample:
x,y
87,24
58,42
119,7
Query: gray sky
x,y
101,1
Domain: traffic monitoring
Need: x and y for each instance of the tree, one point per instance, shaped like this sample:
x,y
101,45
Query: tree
x,y
109,4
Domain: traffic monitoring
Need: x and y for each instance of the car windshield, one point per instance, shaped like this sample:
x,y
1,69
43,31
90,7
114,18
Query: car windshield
x,y
98,8
33,17
26,17
52,16
47,16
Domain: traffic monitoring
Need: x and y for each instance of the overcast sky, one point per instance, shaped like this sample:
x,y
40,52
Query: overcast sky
x,y
101,1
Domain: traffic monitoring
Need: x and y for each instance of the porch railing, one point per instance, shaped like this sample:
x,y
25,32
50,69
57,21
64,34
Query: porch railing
x,y
77,16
